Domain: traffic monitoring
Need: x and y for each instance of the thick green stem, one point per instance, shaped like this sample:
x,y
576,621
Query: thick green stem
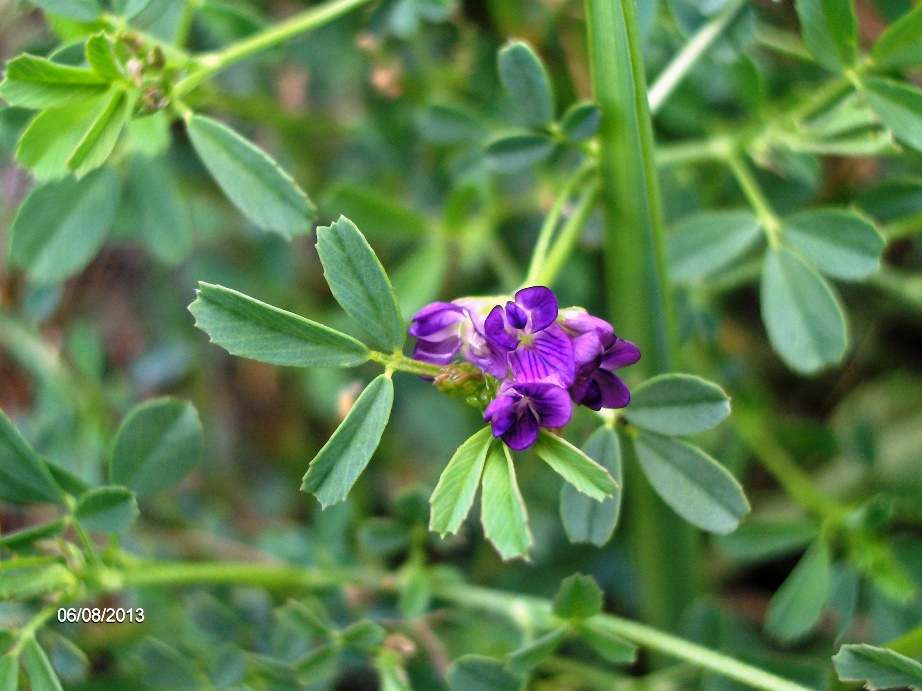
x,y
302,22
637,286
682,63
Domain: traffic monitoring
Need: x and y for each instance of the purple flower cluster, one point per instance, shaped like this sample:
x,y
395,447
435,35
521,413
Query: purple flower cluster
x,y
546,359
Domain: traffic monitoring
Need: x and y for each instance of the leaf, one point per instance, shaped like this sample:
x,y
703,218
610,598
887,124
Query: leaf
x,y
149,135
34,82
378,215
502,509
879,668
696,486
252,180
391,674
23,475
359,283
454,494
156,446
516,152
764,540
524,77
606,643
9,672
574,466
107,509
163,219
901,44
587,520
25,583
38,667
841,243
319,664
581,121
899,106
798,604
446,124
25,537
702,244
830,30
78,10
532,654
342,459
415,592
480,673
61,225
99,140
253,329
579,597
678,404
803,318
364,635
100,57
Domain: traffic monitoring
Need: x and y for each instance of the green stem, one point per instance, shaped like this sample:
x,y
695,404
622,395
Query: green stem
x,y
539,255
569,235
508,604
695,151
87,543
903,228
771,224
302,22
682,63
31,628
402,363
782,41
512,605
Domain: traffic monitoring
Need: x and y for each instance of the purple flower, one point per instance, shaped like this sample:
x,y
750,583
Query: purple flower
x,y
521,408
597,354
444,328
538,348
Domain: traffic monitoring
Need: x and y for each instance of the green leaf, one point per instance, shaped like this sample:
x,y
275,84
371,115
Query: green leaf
x,y
156,446
342,459
579,597
841,243
253,329
107,509
802,315
68,661
9,672
251,179
696,486
581,121
532,654
587,520
901,44
677,404
378,215
149,135
899,106
574,466
764,540
319,664
34,82
524,77
502,509
480,673
702,244
25,537
100,57
798,604
516,152
359,283
830,30
25,583
61,225
391,674
163,219
23,475
878,668
606,643
446,124
454,494
415,591
384,536
38,668
364,635
99,140
79,10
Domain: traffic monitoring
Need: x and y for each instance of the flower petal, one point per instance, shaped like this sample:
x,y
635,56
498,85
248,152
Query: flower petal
x,y
494,328
501,414
523,433
551,404
615,393
621,354
516,317
434,318
477,350
437,352
548,356
587,352
540,303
